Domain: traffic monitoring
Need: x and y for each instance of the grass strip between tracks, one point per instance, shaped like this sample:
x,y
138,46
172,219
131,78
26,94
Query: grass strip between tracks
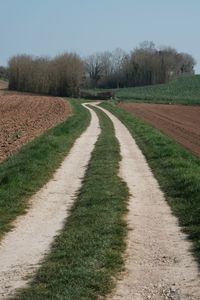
x,y
88,252
29,169
176,169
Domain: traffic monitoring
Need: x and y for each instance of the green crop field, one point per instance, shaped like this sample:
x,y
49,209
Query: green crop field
x,y
183,90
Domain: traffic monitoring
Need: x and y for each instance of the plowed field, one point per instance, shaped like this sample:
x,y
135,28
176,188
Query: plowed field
x,y
24,117
180,122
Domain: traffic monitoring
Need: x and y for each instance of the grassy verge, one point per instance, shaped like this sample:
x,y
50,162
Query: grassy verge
x,y
88,252
176,169
28,170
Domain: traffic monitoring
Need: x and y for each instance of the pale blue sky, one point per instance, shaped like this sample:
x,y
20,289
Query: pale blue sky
x,y
50,27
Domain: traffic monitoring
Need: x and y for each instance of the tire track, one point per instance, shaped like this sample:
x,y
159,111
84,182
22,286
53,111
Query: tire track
x,y
23,249
159,264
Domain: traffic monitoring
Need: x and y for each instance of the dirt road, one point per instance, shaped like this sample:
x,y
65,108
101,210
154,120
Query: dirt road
x,y
159,265
22,250
181,122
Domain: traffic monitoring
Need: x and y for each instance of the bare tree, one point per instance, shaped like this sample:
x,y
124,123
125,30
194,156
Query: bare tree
x,y
61,76
94,68
64,74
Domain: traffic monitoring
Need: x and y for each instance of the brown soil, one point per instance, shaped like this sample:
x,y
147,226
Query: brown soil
x,y
24,117
180,122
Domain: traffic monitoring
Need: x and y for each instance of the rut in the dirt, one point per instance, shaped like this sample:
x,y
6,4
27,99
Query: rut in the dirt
x,y
22,250
159,264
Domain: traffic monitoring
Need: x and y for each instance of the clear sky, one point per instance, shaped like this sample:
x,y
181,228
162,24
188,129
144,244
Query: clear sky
x,y
50,27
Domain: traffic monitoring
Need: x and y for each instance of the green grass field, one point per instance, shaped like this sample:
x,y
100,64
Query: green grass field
x,y
176,169
19,175
88,252
183,90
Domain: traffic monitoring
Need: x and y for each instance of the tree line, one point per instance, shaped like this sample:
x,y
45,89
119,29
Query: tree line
x,y
145,65
60,76
65,74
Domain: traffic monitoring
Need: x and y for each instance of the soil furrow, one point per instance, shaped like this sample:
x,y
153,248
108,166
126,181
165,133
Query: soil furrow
x,y
180,122
25,117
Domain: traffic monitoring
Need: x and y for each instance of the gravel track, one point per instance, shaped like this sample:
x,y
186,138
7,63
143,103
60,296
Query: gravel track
x,y
23,249
159,264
